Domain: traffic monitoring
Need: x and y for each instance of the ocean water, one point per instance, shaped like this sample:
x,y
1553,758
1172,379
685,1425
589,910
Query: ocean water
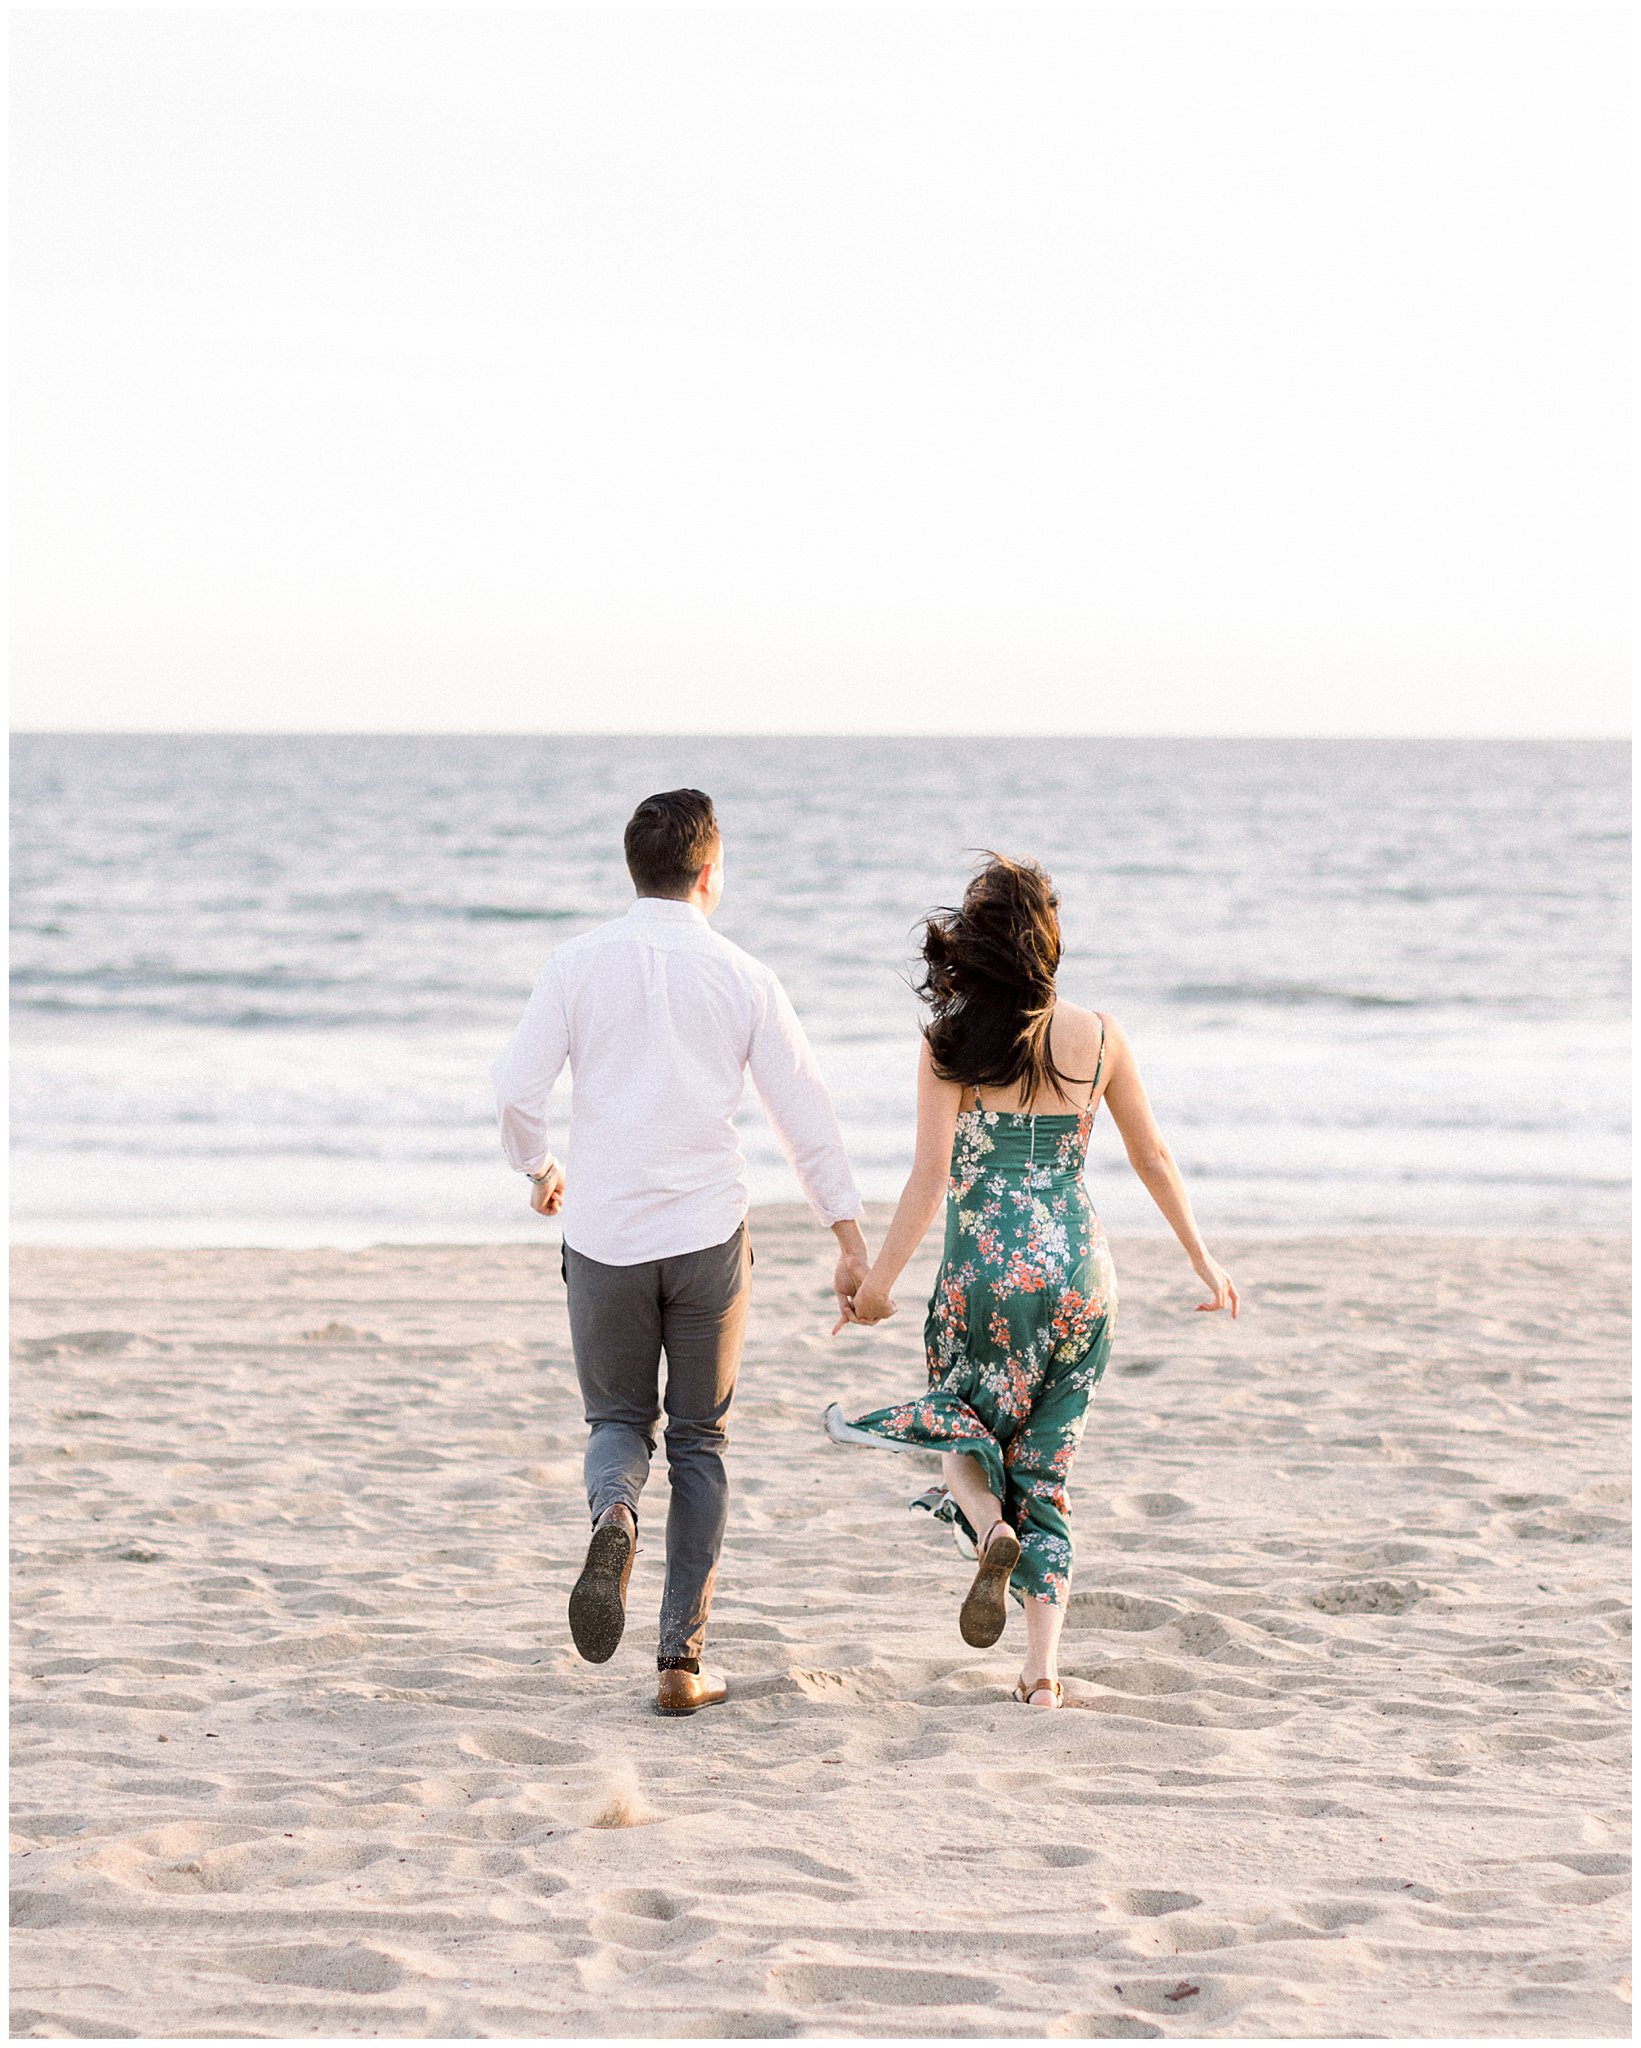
x,y
258,982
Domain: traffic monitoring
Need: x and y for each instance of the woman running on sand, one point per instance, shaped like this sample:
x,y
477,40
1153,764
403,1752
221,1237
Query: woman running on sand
x,y
1019,1326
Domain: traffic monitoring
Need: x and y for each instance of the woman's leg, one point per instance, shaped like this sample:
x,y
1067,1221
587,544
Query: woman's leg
x,y
1044,1621
1037,1466
966,1480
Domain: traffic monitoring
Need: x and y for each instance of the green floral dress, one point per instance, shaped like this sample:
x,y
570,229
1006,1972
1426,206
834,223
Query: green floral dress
x,y
1019,1326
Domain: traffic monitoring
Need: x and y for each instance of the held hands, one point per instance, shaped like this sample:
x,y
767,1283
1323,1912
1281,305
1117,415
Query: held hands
x,y
1219,1284
547,1195
872,1303
847,1275
869,1303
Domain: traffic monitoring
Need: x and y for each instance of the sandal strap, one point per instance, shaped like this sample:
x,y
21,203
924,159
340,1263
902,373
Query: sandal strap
x,y
1025,1694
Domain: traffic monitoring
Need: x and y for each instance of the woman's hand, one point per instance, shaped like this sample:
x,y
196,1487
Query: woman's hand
x,y
1219,1284
869,1303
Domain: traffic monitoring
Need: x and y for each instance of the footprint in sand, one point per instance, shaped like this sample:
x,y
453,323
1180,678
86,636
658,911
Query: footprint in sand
x,y
1107,1608
1151,1905
711,2025
1190,2000
806,1866
1396,1551
260,1864
645,1903
315,1967
1568,1525
1152,1507
1140,1676
1369,1596
867,1985
1219,1640
640,1918
1602,1864
45,1909
1333,1914
1581,1891
1102,2026
522,1746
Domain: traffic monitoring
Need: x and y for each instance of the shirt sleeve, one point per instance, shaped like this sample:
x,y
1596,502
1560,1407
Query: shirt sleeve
x,y
526,1071
795,1100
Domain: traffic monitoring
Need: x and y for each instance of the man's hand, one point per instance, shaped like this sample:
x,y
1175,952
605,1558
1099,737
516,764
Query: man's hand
x,y
854,1261
847,1275
547,1196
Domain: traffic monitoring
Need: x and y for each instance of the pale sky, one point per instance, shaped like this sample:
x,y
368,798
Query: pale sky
x,y
993,371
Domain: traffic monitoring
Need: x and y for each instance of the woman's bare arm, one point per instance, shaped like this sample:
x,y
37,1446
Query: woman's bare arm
x,y
1151,1159
922,1195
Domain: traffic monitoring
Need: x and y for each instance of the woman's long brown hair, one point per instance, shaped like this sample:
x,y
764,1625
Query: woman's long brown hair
x,y
989,969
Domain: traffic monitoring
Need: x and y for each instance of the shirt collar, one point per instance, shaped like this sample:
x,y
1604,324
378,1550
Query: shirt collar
x,y
666,910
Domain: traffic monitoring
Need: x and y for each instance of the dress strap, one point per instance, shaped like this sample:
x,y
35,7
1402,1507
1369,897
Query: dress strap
x,y
1099,1065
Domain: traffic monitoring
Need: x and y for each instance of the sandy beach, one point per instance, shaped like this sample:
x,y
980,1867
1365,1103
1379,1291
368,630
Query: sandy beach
x,y
301,1745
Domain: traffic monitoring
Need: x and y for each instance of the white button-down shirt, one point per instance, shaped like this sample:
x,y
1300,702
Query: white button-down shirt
x,y
661,1020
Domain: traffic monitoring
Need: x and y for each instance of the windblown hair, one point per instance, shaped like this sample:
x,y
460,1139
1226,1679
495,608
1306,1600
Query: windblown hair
x,y
989,981
669,839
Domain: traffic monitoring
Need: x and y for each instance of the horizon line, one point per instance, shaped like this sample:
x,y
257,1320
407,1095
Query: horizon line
x,y
748,733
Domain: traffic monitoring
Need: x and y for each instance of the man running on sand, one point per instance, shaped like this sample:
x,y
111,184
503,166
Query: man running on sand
x,y
661,1020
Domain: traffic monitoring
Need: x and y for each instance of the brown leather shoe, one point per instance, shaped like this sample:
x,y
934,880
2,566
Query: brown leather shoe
x,y
598,1605
687,1692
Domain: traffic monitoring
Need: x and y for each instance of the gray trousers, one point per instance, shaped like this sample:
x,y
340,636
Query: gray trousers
x,y
622,1318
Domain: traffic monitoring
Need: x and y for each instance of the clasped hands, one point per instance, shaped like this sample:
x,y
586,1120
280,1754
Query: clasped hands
x,y
860,1299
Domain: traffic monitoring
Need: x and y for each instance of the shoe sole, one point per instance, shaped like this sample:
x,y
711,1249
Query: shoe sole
x,y
985,1608
598,1608
677,1713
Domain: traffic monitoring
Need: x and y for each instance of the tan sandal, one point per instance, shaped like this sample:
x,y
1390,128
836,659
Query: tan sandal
x,y
1025,1694
985,1607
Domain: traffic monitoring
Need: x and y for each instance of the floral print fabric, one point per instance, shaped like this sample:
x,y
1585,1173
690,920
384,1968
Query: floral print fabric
x,y
1019,1326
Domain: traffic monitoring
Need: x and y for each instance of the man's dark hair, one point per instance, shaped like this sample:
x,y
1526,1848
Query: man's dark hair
x,y
669,839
